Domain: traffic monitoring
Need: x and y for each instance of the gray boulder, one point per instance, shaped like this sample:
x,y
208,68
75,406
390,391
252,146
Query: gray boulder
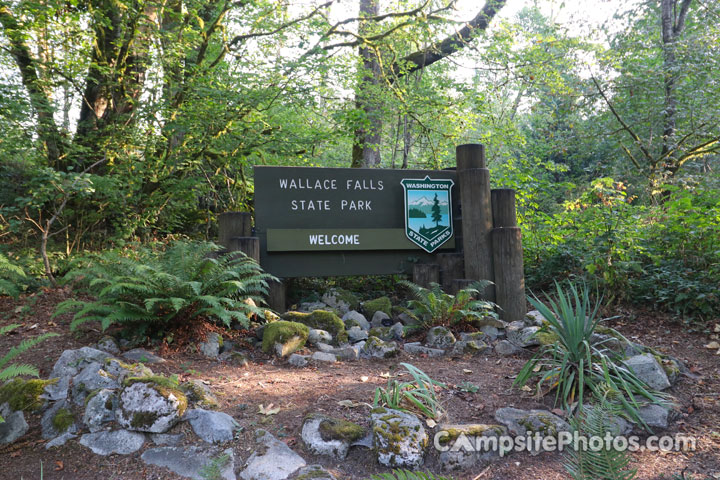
x,y
534,318
109,345
311,306
522,336
271,460
469,347
116,441
193,462
340,300
56,418
314,472
14,425
380,319
211,346
519,422
397,331
647,369
298,360
142,356
323,357
458,445
316,336
416,348
355,319
100,409
439,337
146,408
349,353
655,416
330,436
505,348
356,334
492,332
212,427
399,438
376,348
60,440
170,439
70,363
91,378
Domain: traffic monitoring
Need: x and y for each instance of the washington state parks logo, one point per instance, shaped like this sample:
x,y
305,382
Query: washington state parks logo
x,y
428,212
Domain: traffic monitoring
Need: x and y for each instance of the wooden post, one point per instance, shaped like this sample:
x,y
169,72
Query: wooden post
x,y
509,276
250,246
451,267
503,207
474,182
233,224
426,273
276,296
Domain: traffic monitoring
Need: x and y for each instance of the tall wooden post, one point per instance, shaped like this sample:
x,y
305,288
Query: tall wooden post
x,y
426,273
474,181
250,246
233,224
508,256
451,267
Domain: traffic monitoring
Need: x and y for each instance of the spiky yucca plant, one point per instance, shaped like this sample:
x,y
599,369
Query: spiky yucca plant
x,y
149,290
417,396
10,277
407,475
8,370
433,307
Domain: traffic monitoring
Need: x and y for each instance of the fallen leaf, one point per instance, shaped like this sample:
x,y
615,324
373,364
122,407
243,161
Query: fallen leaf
x,y
690,409
537,368
430,423
59,465
525,388
712,346
16,453
465,370
385,375
268,410
559,412
717,328
364,378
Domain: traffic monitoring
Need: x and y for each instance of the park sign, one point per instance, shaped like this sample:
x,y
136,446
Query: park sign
x,y
428,198
347,221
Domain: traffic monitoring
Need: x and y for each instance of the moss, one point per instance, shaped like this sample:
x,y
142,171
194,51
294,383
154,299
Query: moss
x,y
348,297
338,429
165,387
470,431
23,395
197,394
142,420
323,320
282,331
381,304
547,428
547,338
62,420
380,332
317,472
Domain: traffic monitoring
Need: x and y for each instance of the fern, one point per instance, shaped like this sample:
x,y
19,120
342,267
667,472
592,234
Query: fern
x,y
11,277
606,463
9,371
433,307
150,290
407,475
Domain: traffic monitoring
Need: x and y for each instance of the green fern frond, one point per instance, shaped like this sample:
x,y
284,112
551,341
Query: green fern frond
x,y
407,475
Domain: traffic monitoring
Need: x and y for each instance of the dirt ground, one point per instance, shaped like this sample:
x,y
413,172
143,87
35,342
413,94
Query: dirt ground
x,y
298,392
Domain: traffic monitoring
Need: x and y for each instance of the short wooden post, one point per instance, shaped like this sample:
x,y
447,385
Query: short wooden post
x,y
451,267
250,246
426,273
509,276
474,182
276,296
233,224
503,207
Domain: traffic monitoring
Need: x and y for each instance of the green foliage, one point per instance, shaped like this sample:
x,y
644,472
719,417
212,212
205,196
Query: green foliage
x,y
11,277
433,307
151,290
282,331
468,387
407,475
575,366
605,463
417,396
213,469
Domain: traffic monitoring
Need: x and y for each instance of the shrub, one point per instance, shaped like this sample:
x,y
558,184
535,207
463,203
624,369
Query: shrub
x,y
574,365
11,277
150,290
417,396
18,390
433,307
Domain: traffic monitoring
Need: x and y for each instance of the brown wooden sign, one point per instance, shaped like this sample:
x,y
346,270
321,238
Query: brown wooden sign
x,y
339,221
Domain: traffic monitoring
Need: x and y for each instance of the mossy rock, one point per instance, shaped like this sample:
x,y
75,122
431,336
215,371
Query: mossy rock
x,y
547,338
283,331
381,304
24,395
335,296
164,386
452,432
199,394
62,420
323,320
339,429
